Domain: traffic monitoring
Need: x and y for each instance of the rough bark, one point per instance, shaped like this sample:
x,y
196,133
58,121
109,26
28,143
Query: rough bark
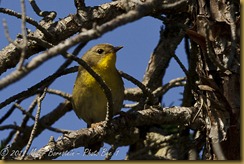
x,y
217,30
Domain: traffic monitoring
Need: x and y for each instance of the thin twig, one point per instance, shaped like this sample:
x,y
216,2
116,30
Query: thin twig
x,y
36,8
60,93
40,42
46,14
135,94
187,46
180,64
48,119
181,81
24,111
144,89
39,100
35,88
147,96
110,152
11,126
28,20
26,117
23,46
130,105
46,44
29,115
57,130
6,32
6,141
8,113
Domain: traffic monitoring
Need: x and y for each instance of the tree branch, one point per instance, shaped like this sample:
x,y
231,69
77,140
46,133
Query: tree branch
x,y
119,126
84,19
48,120
47,81
36,123
82,37
28,20
135,94
162,54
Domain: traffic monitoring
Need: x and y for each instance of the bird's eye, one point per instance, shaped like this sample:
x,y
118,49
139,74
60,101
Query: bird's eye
x,y
100,51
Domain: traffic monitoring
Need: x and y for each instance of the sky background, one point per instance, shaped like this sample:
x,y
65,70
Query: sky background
x,y
139,39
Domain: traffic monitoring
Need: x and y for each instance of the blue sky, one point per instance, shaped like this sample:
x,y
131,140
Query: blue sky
x,y
138,38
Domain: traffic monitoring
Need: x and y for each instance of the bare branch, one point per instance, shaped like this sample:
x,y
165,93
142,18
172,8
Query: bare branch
x,y
130,105
32,135
119,125
10,126
46,14
48,120
6,32
181,81
23,46
25,112
162,54
180,64
60,93
47,81
8,113
28,19
71,24
35,88
29,115
134,94
146,91
83,37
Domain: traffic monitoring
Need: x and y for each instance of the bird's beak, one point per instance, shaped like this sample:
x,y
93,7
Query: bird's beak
x,y
117,48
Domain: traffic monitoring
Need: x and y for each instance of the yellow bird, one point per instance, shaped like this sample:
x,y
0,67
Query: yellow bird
x,y
88,99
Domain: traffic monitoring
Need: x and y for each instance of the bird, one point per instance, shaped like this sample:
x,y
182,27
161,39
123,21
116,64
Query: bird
x,y
88,99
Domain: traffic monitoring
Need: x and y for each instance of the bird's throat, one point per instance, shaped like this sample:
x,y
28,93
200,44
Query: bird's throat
x,y
107,62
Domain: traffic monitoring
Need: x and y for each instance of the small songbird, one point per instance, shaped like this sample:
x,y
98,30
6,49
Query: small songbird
x,y
88,99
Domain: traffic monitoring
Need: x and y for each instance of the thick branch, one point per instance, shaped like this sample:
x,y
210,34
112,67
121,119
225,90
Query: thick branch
x,y
119,125
170,37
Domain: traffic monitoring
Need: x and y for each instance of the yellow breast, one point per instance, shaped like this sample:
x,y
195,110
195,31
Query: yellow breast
x,y
89,101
